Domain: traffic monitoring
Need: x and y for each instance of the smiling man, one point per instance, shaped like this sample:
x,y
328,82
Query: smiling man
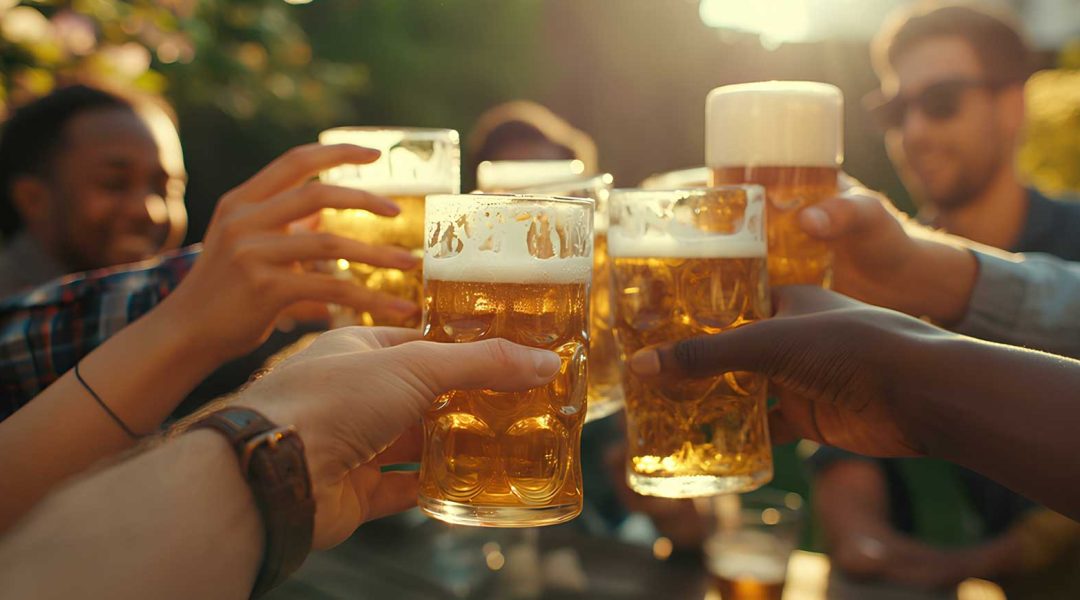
x,y
952,106
88,179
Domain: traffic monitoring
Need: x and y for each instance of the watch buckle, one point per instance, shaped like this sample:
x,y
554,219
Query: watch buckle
x,y
270,438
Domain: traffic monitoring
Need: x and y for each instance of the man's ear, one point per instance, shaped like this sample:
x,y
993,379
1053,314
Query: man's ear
x,y
30,196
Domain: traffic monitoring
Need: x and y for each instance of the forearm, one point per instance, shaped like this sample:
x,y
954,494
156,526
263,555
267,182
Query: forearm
x,y
176,522
938,283
141,374
1026,300
1005,412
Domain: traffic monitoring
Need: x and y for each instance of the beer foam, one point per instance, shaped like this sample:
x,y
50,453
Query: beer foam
x,y
694,244
661,224
774,123
736,565
493,246
503,175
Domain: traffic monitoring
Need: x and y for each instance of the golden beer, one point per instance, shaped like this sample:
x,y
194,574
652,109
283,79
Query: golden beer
x,y
406,230
794,257
415,162
747,556
517,268
748,577
605,370
786,136
686,264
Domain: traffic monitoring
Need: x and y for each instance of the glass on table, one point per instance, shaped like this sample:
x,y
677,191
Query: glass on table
x,y
755,534
415,162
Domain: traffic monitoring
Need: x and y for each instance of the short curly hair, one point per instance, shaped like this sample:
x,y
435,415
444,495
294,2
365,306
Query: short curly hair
x,y
33,135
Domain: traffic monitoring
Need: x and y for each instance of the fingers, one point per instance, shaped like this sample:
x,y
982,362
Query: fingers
x,y
780,430
855,211
296,204
326,288
396,491
278,248
405,449
393,336
745,348
791,300
494,364
295,167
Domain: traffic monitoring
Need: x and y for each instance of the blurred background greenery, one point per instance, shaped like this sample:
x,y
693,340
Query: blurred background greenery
x,y
251,78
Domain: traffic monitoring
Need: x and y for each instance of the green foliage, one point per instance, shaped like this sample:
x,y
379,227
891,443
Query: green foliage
x,y
245,57
1050,156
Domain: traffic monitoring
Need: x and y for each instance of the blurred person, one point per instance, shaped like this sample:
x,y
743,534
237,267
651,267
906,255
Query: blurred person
x,y
88,179
524,130
246,274
952,102
955,399
354,399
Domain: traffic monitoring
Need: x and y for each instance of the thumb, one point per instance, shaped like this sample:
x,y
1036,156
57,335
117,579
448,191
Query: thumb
x,y
854,211
746,348
495,364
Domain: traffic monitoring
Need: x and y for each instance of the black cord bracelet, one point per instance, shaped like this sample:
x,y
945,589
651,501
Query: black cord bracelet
x,y
104,407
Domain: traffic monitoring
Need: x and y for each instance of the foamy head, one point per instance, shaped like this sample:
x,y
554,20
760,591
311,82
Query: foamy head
x,y
774,123
763,568
506,175
672,224
414,161
488,238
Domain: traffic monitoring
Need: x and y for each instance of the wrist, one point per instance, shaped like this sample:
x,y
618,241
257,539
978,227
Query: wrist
x,y
192,335
940,280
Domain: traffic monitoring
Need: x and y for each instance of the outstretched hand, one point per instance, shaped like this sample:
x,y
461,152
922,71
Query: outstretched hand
x,y
356,396
832,360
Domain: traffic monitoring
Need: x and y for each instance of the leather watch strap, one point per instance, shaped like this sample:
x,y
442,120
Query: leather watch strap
x,y
273,462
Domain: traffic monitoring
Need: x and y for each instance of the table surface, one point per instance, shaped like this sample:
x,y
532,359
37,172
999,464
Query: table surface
x,y
409,557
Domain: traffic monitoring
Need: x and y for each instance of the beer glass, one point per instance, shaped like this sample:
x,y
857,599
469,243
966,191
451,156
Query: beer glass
x,y
605,385
788,137
516,175
688,263
747,556
515,267
414,163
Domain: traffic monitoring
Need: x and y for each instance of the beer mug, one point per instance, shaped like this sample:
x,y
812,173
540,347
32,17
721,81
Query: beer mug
x,y
516,267
788,137
414,163
605,385
689,263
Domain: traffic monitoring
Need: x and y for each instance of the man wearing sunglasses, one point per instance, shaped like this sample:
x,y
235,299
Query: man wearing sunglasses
x,y
952,107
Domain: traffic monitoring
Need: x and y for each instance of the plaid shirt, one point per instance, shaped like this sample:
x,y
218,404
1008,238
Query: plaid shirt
x,y
45,331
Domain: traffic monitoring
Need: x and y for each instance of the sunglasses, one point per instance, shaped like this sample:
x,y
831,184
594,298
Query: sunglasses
x,y
938,101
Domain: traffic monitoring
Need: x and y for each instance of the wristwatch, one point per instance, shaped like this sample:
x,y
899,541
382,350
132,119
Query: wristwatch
x,y
273,462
